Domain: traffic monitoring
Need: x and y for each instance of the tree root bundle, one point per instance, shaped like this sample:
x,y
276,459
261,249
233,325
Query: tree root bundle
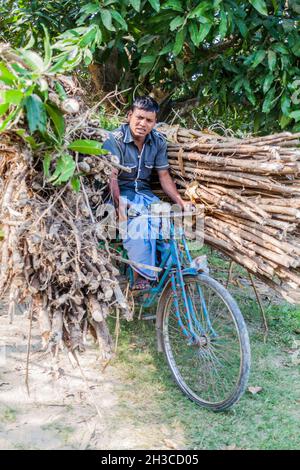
x,y
251,192
49,247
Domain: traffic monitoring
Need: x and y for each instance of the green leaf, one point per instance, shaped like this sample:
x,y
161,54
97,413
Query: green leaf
x,y
166,49
46,165
3,108
285,62
31,41
296,49
47,48
90,8
242,27
285,104
87,10
179,67
27,138
295,115
216,3
35,113
272,60
200,9
57,119
88,37
284,121
119,18
268,82
34,61
5,75
1,234
223,25
258,58
144,69
260,6
11,96
107,19
75,183
136,4
87,147
280,48
145,40
88,56
110,2
296,128
98,38
250,96
59,65
148,59
179,41
13,115
269,101
194,33
155,4
175,5
249,91
204,30
176,22
60,91
65,167
229,66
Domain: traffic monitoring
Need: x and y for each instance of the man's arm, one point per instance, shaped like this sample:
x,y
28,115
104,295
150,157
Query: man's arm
x,y
170,189
115,192
114,187
112,146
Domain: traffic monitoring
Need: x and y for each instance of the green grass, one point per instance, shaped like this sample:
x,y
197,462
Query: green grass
x,y
266,420
9,415
63,431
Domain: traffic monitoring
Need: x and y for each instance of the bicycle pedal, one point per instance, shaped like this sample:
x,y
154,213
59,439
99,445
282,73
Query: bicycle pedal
x,y
140,293
148,317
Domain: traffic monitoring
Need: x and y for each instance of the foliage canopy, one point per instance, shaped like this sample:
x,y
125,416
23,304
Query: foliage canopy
x,y
229,54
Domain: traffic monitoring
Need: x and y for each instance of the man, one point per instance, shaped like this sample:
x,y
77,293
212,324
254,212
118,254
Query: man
x,y
141,148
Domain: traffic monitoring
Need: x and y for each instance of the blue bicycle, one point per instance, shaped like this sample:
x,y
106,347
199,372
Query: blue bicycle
x,y
199,328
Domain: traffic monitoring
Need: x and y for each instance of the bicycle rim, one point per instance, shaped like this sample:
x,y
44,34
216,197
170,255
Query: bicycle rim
x,y
214,371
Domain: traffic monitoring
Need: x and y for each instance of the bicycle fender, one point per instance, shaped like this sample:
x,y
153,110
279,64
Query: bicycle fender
x,y
190,272
159,316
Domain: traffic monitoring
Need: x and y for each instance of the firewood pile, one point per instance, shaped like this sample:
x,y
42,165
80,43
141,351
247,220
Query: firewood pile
x,y
50,256
49,245
251,192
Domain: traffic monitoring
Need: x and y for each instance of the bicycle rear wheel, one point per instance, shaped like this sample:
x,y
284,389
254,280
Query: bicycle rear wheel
x,y
212,370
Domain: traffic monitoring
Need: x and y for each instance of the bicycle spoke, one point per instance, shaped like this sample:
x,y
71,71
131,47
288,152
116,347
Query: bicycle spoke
x,y
209,365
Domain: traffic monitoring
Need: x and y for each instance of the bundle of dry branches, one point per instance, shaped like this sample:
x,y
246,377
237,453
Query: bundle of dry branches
x,y
251,192
49,253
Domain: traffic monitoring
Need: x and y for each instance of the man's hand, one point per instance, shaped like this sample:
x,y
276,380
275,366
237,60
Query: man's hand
x,y
122,213
170,190
188,206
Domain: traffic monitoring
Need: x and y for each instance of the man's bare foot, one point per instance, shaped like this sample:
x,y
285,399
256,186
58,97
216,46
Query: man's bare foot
x,y
141,284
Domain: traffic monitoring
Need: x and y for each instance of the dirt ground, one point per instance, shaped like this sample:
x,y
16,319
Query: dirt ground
x,y
64,410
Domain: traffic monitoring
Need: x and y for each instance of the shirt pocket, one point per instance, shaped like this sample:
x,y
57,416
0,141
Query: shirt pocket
x,y
149,161
147,166
130,161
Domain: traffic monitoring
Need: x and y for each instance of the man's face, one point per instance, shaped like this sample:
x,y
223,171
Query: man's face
x,y
141,122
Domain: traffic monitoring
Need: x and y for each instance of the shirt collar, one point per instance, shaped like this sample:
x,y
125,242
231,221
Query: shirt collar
x,y
128,136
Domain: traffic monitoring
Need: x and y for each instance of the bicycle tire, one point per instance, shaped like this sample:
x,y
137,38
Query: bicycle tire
x,y
177,363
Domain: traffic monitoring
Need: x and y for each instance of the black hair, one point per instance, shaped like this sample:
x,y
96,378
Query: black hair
x,y
146,103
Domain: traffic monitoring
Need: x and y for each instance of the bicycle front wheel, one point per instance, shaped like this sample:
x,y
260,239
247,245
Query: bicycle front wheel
x,y
209,357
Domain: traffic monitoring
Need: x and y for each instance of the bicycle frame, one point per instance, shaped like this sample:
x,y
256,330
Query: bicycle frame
x,y
171,269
